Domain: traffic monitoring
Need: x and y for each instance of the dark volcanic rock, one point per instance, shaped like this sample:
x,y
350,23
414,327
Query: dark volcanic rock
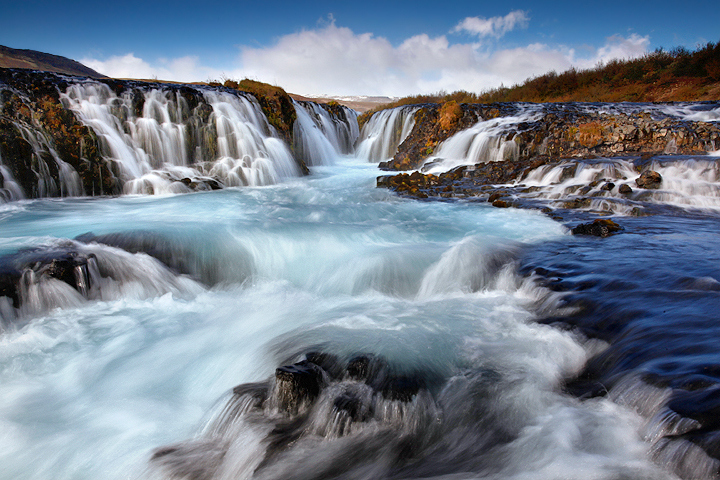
x,y
298,385
625,189
649,179
66,265
435,124
30,101
598,228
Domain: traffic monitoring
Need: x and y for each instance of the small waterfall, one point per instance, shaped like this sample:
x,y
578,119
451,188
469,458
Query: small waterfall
x,y
320,136
55,178
168,147
384,132
249,153
686,183
486,141
10,190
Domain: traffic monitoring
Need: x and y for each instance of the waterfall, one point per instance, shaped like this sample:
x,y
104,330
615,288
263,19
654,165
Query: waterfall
x,y
384,132
486,141
321,136
55,178
10,190
167,146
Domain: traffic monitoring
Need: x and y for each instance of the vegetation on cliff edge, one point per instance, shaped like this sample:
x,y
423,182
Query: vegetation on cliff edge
x,y
660,76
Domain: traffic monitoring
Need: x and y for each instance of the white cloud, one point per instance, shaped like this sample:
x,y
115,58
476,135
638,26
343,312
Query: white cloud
x,y
623,48
494,26
335,60
183,69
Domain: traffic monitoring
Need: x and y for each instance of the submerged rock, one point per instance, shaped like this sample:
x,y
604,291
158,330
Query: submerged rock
x,y
598,228
625,189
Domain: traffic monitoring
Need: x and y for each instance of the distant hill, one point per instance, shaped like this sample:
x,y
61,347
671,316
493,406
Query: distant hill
x,y
359,103
34,60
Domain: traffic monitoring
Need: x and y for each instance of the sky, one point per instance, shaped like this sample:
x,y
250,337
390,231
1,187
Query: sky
x,y
369,47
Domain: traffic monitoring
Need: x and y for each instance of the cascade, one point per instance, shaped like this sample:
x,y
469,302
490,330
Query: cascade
x,y
486,141
55,177
9,189
167,143
384,132
320,136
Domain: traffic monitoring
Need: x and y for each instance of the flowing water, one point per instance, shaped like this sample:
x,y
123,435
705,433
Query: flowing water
x,y
528,352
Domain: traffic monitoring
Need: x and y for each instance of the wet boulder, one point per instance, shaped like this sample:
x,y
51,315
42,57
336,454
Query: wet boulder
x,y
352,406
402,387
330,363
625,189
599,228
67,265
298,385
649,179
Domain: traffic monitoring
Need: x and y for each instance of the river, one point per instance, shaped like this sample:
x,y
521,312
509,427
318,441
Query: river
x,y
528,352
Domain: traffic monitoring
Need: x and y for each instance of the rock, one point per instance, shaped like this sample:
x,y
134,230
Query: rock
x,y
625,189
402,388
649,179
65,265
598,228
352,406
607,187
298,385
69,267
331,364
501,204
494,197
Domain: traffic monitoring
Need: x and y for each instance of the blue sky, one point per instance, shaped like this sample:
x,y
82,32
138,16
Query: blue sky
x,y
344,48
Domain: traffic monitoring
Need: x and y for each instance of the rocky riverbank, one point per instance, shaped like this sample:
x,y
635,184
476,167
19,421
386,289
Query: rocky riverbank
x,y
553,157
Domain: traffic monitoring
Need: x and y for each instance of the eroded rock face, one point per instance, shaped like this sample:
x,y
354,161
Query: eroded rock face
x,y
322,396
435,124
297,385
35,128
562,131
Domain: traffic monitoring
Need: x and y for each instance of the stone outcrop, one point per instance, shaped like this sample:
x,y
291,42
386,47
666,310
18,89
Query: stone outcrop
x,y
562,131
601,227
435,124
323,394
20,269
553,153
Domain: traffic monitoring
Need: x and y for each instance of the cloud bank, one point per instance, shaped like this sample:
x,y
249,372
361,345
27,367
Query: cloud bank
x,y
335,60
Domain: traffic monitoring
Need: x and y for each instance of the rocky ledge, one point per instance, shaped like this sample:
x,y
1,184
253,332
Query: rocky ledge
x,y
574,130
